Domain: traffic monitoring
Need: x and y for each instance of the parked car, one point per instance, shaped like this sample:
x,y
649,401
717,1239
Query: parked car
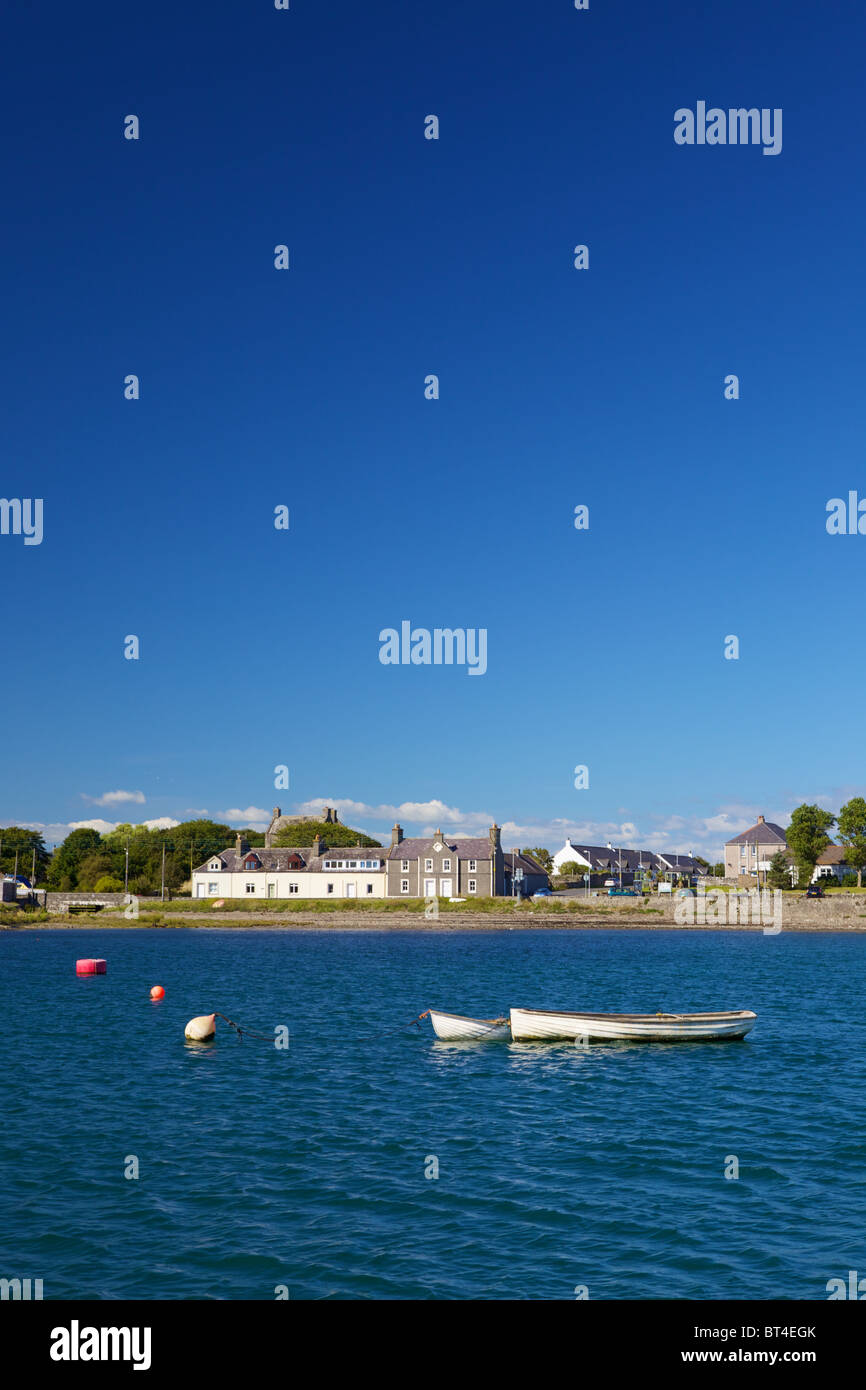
x,y
814,891
542,893
686,893
622,893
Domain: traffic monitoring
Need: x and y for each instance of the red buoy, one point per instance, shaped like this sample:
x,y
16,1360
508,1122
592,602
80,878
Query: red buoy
x,y
157,992
90,967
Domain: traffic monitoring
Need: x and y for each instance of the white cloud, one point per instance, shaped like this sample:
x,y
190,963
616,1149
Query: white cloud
x,y
196,811
104,827
112,798
253,818
161,823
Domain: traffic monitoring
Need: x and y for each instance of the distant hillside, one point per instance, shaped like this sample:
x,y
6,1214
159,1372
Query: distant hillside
x,y
302,833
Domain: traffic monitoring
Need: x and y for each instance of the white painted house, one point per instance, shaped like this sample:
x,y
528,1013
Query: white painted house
x,y
570,854
307,872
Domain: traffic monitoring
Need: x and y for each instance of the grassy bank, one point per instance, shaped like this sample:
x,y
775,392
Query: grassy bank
x,y
380,907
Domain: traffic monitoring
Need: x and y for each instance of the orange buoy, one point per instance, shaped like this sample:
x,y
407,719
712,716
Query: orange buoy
x,y
157,992
201,1028
90,967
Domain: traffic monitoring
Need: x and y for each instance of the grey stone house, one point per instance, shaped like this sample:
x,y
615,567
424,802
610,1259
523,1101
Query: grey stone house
x,y
445,866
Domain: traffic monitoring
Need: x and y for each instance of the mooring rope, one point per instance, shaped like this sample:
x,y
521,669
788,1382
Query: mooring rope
x,y
240,1030
268,1037
401,1027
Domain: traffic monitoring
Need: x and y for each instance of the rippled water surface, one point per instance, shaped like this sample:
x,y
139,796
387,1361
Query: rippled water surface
x,y
558,1166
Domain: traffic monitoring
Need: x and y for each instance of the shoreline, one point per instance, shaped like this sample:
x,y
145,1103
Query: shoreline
x,y
452,922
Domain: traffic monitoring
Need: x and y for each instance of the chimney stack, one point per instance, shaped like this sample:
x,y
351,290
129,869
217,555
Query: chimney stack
x,y
494,835
761,820
396,835
240,843
317,846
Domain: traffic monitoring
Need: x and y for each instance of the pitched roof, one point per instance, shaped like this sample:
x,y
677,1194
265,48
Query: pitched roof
x,y
463,848
833,854
278,859
766,832
522,861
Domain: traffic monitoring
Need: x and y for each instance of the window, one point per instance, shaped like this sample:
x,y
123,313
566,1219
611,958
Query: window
x,y
404,865
213,889
369,887
446,866
404,885
293,888
473,866
216,864
352,864
472,885
330,887
251,887
251,863
428,866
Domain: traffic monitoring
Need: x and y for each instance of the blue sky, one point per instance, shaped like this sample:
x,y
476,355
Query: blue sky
x,y
557,387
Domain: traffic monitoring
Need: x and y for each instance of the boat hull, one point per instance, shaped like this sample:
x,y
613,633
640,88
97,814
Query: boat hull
x,y
535,1025
455,1028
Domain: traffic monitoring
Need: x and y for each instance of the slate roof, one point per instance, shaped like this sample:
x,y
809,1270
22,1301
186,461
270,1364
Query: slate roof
x,y
757,834
469,848
833,854
600,857
278,859
522,861
679,861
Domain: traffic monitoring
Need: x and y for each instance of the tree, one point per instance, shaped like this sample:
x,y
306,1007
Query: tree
x,y
301,834
571,869
16,839
719,870
779,872
807,837
542,857
65,862
852,834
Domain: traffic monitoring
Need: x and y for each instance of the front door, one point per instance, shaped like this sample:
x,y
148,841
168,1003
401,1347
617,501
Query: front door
x,y
351,890
272,890
429,888
446,890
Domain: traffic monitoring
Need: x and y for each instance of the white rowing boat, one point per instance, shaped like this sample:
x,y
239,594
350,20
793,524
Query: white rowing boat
x,y
455,1028
536,1025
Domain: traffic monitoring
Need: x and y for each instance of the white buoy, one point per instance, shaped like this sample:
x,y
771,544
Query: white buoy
x,y
201,1028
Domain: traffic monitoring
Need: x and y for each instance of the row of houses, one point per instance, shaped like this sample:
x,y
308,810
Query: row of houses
x,y
630,863
438,866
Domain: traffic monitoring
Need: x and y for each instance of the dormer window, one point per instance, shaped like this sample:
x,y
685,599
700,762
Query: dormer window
x,y
215,864
252,862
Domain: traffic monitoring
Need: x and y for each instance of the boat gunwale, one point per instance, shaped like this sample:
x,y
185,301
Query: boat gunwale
x,y
467,1018
640,1018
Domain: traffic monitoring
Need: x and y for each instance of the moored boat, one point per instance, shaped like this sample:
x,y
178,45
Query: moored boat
x,y
537,1025
456,1028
